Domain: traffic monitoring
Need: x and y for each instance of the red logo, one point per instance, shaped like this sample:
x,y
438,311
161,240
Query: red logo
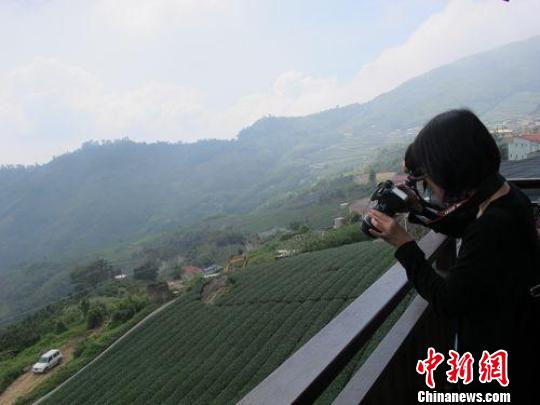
x,y
491,367
429,365
460,367
494,367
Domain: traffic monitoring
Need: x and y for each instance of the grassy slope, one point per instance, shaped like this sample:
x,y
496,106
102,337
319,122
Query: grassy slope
x,y
16,356
94,346
194,352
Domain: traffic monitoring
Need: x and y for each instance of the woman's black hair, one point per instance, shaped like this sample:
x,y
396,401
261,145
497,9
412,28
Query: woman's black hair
x,y
456,150
410,163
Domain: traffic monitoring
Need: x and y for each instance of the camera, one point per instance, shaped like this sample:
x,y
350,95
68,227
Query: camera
x,y
390,199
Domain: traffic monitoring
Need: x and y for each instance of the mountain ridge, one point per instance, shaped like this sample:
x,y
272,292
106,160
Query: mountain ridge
x,y
111,192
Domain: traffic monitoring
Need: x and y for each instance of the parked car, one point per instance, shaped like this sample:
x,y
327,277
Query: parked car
x,y
47,361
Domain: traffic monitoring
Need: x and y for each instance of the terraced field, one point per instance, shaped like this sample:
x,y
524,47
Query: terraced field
x,y
194,352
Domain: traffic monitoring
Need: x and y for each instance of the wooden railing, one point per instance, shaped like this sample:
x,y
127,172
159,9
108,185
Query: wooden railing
x,y
388,375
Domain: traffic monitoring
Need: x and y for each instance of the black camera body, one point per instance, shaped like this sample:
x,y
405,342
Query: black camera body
x,y
390,199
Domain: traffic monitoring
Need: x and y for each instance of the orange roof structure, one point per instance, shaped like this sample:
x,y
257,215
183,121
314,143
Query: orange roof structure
x,y
191,269
531,137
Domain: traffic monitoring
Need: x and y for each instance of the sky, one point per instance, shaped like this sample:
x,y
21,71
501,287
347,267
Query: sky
x,y
183,70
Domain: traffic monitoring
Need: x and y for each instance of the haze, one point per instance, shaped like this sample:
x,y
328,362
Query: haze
x,y
182,70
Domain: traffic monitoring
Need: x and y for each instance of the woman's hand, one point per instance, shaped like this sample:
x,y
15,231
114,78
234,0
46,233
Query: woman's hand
x,y
390,230
413,201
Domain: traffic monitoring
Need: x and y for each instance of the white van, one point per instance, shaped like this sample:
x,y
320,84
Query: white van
x,y
47,361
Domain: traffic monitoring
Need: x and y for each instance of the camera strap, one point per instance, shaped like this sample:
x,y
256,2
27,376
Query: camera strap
x,y
453,219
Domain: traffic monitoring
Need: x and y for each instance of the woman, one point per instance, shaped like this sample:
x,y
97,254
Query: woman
x,y
486,292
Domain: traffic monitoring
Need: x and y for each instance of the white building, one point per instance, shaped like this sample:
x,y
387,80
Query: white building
x,y
522,145
502,132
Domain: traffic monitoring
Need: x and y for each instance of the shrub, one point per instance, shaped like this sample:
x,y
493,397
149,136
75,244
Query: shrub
x,y
96,316
10,376
147,271
85,306
87,348
126,308
60,327
354,217
79,349
89,276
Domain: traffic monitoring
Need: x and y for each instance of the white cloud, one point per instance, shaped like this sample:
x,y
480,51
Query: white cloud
x,y
149,16
153,110
462,28
48,98
50,102
293,93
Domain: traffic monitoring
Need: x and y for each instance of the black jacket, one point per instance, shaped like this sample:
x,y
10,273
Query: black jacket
x,y
486,292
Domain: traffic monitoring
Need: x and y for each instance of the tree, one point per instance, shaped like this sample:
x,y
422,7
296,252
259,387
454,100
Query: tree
x,y
85,306
96,316
60,327
85,277
147,271
372,179
354,217
295,225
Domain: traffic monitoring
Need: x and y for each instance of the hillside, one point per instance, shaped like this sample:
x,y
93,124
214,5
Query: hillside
x,y
24,290
196,352
102,195
80,327
499,84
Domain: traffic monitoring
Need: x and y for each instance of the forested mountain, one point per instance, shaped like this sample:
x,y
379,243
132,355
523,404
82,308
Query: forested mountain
x,y
102,194
114,192
499,84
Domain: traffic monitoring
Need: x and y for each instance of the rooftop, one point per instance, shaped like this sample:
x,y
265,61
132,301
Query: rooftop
x,y
521,169
531,137
191,269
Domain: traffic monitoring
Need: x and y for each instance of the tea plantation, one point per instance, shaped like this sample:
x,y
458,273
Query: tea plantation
x,y
196,352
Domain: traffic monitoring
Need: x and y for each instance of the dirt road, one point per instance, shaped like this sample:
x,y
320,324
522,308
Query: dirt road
x,y
116,342
28,381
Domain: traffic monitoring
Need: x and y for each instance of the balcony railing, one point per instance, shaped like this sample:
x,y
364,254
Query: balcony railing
x,y
388,374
